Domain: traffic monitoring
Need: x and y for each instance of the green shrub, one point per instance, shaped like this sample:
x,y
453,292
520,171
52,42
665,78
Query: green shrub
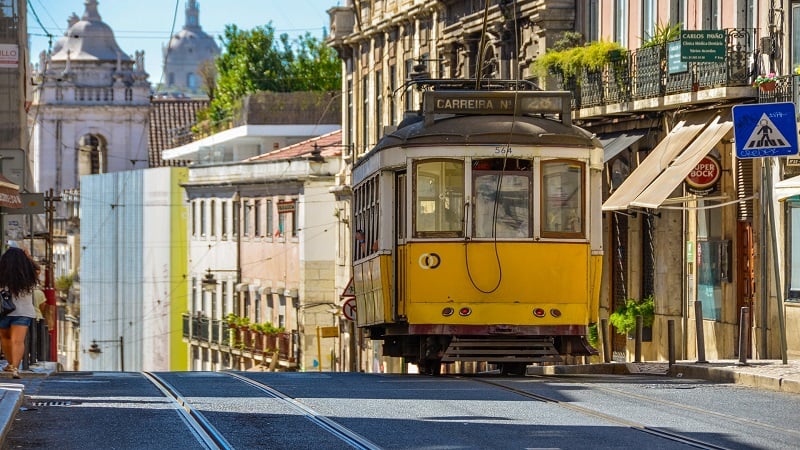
x,y
624,317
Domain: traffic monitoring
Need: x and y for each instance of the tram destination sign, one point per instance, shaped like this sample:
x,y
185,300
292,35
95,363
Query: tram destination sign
x,y
703,45
497,102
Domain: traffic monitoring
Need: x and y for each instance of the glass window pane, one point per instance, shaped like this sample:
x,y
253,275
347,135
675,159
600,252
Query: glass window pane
x,y
439,202
794,251
562,197
506,215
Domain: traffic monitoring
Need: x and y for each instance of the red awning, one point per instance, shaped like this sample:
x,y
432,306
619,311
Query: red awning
x,y
9,194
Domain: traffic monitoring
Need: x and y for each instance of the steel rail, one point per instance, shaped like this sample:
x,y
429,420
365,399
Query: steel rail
x,y
347,435
675,437
205,433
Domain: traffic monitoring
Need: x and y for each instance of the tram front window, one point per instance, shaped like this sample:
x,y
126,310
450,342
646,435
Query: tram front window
x,y
502,198
439,199
562,198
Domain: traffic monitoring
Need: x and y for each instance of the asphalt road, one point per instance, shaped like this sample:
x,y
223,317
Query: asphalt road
x,y
353,410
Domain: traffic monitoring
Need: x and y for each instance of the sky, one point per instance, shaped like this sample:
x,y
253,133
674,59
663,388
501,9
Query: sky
x,y
148,24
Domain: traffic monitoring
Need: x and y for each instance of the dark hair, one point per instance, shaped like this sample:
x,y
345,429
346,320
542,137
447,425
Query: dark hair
x,y
18,272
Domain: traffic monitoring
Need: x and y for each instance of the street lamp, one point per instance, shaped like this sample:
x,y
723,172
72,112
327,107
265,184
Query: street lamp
x,y
209,282
95,351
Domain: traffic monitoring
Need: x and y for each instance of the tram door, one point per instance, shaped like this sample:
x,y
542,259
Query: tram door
x,y
401,216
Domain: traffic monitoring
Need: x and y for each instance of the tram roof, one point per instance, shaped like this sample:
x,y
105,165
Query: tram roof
x,y
486,129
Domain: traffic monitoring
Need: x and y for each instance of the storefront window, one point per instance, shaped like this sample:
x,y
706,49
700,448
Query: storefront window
x,y
793,251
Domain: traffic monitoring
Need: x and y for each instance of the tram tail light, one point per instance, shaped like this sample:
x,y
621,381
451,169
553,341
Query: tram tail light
x,y
465,311
538,312
447,312
555,312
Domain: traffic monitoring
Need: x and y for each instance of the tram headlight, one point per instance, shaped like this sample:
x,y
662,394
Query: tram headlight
x,y
447,312
538,312
555,312
464,311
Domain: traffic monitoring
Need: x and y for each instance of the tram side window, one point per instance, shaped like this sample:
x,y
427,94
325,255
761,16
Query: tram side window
x,y
562,199
439,198
501,189
366,213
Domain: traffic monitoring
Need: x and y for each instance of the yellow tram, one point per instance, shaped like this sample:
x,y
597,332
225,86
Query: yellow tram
x,y
478,230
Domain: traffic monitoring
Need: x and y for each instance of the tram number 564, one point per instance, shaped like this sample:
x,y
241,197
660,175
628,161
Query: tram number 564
x,y
429,261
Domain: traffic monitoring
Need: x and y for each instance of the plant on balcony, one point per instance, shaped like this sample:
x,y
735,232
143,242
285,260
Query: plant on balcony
x,y
236,322
624,317
662,34
571,62
765,82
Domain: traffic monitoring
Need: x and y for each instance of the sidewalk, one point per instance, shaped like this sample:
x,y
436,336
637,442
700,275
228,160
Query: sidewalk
x,y
762,374
12,393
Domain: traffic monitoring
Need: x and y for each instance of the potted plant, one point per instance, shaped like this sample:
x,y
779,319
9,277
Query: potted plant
x,y
624,317
593,338
766,82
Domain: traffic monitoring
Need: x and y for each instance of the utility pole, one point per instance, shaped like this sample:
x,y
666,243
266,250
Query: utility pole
x,y
49,285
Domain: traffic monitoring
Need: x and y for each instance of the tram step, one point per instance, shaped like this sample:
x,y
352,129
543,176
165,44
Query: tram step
x,y
501,350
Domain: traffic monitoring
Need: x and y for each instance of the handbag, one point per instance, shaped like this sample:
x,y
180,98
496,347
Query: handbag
x,y
6,303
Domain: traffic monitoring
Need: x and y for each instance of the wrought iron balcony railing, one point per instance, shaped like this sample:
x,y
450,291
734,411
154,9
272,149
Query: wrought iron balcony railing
x,y
647,73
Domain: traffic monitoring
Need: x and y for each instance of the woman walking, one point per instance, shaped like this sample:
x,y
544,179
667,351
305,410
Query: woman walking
x,y
18,275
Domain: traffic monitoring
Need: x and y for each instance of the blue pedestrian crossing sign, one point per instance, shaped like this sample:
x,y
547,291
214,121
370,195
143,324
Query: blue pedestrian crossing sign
x,y
765,129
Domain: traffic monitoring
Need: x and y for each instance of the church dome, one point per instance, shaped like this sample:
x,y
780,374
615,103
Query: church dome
x,y
89,39
192,41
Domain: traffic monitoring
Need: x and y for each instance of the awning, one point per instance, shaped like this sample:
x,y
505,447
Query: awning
x,y
789,187
9,194
614,143
659,159
673,176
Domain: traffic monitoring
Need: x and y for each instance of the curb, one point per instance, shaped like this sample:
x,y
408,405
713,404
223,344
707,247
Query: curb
x,y
723,375
11,397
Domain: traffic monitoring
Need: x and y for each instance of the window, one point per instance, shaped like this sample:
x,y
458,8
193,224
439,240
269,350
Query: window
x,y
502,200
379,103
562,199
677,9
237,206
439,199
793,250
224,300
257,316
195,305
202,218
213,215
710,15
587,13
194,218
286,219
257,212
269,229
649,18
366,215
365,113
224,219
621,22
246,219
213,313
795,36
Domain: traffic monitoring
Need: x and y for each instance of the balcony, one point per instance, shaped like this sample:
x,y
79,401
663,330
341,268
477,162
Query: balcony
x,y
647,79
240,341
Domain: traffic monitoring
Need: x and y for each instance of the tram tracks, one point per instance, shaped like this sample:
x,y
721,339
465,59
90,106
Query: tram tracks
x,y
209,436
657,432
